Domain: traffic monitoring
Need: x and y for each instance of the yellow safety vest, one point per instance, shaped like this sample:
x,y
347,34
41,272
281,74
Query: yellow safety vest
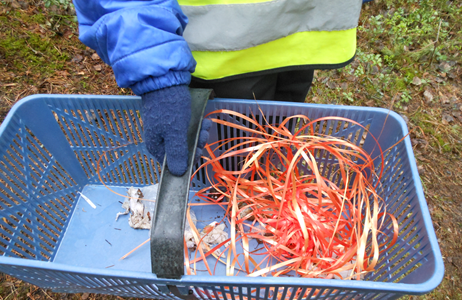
x,y
234,37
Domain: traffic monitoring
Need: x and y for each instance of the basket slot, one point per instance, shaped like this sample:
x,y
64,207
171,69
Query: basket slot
x,y
43,169
12,194
33,186
399,254
115,125
129,168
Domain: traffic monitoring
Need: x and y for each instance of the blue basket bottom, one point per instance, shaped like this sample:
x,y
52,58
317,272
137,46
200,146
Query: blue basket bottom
x,y
94,239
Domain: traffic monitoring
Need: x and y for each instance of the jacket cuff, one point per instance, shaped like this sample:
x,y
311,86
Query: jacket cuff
x,y
156,83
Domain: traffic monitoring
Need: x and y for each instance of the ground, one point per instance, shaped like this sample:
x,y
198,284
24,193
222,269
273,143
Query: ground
x,y
408,60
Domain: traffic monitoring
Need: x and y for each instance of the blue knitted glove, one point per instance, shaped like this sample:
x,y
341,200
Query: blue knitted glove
x,y
166,114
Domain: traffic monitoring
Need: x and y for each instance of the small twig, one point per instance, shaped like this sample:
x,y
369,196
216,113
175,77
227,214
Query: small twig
x,y
436,43
393,101
20,94
108,242
12,292
35,51
60,53
48,296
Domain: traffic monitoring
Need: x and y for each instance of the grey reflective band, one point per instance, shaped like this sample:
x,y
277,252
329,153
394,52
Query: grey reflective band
x,y
227,27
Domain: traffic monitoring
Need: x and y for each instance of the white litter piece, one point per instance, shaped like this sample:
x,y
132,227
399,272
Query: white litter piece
x,y
88,200
213,235
188,233
149,193
216,236
140,218
126,206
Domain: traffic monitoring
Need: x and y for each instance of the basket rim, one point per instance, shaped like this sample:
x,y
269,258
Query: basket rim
x,y
408,288
199,280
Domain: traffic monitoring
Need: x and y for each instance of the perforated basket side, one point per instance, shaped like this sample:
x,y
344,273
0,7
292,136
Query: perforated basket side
x,y
74,281
37,191
96,125
414,256
69,152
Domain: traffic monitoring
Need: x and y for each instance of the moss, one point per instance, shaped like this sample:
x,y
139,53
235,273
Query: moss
x,y
400,84
444,146
38,18
33,51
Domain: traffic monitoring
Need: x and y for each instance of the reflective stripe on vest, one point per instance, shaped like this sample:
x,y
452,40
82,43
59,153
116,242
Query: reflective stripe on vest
x,y
229,37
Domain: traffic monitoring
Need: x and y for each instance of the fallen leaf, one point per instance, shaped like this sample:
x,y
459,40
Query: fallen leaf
x,y
85,296
370,103
406,119
97,68
416,81
421,170
62,73
374,70
428,96
95,56
444,99
77,58
445,67
15,4
447,119
331,85
458,115
351,78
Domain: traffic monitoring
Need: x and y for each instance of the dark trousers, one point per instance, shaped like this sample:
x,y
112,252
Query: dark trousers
x,y
283,86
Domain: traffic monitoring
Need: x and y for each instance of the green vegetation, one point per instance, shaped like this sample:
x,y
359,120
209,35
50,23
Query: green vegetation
x,y
407,50
33,51
65,4
28,42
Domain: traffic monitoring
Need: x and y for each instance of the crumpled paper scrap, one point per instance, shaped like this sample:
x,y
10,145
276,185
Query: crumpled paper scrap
x,y
140,218
211,235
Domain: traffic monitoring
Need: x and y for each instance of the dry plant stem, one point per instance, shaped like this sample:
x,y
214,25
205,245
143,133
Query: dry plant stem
x,y
435,43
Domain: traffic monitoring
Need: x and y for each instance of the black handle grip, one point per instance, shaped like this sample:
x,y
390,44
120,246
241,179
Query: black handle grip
x,y
167,228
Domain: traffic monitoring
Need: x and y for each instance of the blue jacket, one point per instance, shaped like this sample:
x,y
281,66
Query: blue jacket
x,y
141,39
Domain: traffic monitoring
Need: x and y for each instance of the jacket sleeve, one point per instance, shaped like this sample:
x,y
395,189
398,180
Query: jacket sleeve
x,y
141,39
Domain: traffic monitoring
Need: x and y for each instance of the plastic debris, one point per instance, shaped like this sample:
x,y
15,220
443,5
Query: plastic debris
x,y
88,200
150,195
214,234
140,218
211,235
188,233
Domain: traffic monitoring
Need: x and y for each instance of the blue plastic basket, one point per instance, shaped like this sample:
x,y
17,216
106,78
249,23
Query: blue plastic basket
x,y
52,238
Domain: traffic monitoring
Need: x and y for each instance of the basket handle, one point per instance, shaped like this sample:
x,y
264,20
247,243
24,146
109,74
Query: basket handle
x,y
167,227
